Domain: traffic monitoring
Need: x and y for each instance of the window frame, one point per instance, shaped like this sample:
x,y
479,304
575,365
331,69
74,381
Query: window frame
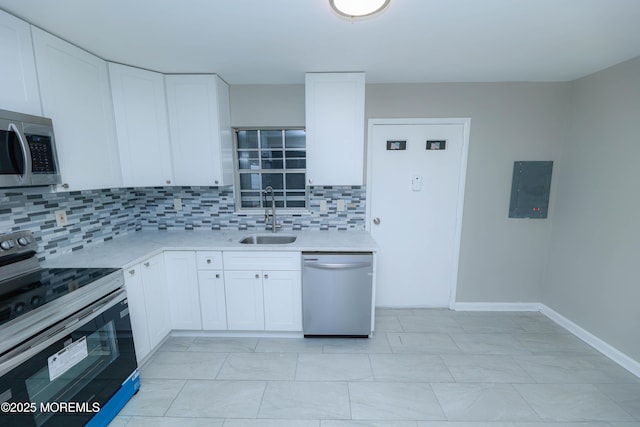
x,y
237,171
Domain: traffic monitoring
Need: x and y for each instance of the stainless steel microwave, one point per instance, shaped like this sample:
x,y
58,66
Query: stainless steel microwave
x,y
27,151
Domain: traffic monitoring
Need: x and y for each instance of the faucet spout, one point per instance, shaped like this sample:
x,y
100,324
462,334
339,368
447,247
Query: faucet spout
x,y
274,224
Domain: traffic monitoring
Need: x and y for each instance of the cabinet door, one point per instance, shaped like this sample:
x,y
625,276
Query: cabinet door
x,y
156,299
212,300
137,312
184,295
200,130
243,291
76,95
141,125
334,104
19,84
282,300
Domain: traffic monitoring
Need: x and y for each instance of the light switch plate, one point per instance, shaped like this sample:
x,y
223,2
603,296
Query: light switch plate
x,y
340,206
61,218
323,206
177,204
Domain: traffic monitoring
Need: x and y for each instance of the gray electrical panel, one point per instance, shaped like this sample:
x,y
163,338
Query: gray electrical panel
x,y
530,189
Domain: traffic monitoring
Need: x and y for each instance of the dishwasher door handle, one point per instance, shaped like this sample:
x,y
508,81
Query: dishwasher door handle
x,y
336,266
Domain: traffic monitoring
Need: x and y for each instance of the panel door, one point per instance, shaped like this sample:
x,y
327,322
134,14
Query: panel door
x,y
334,104
282,300
212,300
142,126
184,294
415,211
77,97
19,84
243,291
137,312
156,299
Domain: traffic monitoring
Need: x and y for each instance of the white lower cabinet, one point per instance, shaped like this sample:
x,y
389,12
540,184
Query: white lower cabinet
x,y
212,300
148,298
260,297
282,292
245,310
137,312
213,307
184,294
213,291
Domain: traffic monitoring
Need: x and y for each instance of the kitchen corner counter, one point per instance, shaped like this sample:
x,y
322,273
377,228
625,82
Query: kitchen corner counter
x,y
131,249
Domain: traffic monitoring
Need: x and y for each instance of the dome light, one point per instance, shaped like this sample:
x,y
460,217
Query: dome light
x,y
358,8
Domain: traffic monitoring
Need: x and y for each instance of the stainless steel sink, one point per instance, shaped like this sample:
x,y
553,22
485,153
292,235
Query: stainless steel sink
x,y
268,240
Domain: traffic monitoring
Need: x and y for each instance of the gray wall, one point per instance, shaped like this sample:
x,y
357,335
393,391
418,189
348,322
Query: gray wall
x,y
594,267
267,105
502,259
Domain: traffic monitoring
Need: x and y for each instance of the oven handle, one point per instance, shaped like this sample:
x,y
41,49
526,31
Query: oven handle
x,y
58,331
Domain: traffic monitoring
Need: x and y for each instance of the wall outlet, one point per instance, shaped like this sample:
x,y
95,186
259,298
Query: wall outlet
x,y
177,204
340,206
323,206
61,218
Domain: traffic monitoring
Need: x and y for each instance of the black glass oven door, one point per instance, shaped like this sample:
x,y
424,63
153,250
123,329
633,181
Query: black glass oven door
x,y
73,377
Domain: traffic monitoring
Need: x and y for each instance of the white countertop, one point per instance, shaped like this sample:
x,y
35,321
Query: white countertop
x,y
128,250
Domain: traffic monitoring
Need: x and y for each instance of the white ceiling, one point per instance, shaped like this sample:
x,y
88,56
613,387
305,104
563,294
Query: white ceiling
x,y
275,42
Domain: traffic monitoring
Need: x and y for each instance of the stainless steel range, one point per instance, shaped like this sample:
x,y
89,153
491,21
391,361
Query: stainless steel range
x,y
66,348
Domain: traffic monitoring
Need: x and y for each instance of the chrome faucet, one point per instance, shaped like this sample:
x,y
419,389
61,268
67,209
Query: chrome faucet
x,y
274,224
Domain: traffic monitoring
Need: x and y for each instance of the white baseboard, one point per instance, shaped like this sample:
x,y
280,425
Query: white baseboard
x,y
611,352
496,306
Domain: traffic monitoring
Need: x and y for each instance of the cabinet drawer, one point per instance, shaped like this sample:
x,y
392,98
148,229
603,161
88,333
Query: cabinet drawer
x,y
209,260
261,260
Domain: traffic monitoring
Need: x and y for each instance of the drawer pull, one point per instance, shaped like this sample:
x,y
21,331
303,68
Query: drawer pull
x,y
257,276
208,260
266,276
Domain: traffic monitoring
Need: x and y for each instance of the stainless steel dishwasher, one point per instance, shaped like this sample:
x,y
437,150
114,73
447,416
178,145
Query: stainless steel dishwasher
x,y
336,294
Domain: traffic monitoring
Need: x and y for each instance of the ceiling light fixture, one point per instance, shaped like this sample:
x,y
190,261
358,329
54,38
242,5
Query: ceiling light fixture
x,y
358,8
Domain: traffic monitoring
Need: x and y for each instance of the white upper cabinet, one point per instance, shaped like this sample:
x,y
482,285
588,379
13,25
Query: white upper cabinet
x,y
76,96
142,126
200,129
19,83
334,106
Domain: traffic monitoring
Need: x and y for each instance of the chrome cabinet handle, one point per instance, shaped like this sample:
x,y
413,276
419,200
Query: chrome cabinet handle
x,y
132,272
146,264
266,276
208,260
376,221
257,276
217,276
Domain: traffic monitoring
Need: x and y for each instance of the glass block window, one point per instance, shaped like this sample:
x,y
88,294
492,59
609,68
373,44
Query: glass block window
x,y
271,157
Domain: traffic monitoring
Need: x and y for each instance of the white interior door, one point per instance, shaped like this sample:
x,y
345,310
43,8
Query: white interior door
x,y
415,208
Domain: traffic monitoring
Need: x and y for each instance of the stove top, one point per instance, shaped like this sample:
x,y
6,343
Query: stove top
x,y
21,294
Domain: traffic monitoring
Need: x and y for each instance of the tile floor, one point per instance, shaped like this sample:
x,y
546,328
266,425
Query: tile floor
x,y
423,368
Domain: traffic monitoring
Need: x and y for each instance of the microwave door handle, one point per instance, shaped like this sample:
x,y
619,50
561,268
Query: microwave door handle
x,y
26,153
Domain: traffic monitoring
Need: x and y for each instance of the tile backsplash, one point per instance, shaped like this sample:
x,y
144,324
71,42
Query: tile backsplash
x,y
95,216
